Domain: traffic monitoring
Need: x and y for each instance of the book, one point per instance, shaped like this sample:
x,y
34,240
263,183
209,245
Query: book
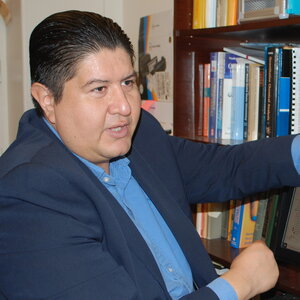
x,y
221,13
230,59
270,218
199,14
238,99
211,13
246,101
230,219
272,75
214,220
243,224
293,7
199,100
232,12
255,55
206,99
253,105
262,104
261,212
216,77
225,214
295,101
284,93
201,219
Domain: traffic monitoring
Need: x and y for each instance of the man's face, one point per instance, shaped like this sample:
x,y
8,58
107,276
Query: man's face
x,y
100,107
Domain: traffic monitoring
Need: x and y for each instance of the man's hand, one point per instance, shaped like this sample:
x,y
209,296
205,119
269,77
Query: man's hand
x,y
252,272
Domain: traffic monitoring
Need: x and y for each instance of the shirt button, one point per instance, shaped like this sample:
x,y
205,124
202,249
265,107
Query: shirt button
x,y
170,269
106,179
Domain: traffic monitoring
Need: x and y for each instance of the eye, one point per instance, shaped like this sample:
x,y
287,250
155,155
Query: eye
x,y
128,84
100,89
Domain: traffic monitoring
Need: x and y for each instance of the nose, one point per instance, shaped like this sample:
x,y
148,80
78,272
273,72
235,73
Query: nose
x,y
119,103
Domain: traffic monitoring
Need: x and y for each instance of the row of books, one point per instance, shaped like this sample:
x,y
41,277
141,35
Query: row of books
x,y
240,221
214,13
217,13
248,93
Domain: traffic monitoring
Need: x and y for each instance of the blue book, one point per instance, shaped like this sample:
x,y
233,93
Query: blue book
x,y
293,7
238,100
230,59
216,77
283,109
284,94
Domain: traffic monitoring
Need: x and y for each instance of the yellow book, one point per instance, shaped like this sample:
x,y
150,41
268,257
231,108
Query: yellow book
x,y
232,12
198,14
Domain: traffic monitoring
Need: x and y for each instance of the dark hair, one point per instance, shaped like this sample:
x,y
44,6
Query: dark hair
x,y
63,39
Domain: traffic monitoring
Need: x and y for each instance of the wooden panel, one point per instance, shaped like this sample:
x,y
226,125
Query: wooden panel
x,y
184,93
183,14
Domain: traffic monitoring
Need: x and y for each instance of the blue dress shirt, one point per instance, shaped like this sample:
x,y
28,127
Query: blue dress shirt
x,y
170,259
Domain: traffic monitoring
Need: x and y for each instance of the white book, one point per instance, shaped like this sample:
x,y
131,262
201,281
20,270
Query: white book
x,y
211,11
248,53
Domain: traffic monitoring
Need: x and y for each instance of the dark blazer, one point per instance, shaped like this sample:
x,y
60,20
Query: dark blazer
x,y
64,236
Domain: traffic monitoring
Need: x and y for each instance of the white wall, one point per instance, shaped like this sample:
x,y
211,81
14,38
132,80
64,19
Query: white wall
x,y
14,57
4,136
34,11
26,14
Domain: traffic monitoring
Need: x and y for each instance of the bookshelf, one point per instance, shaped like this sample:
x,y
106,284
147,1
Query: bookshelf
x,y
191,48
221,252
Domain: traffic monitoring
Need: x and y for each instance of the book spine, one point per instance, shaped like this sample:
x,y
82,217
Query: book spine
x,y
232,12
214,220
213,86
238,97
230,59
211,11
284,94
237,224
262,104
246,101
274,55
261,212
253,111
230,219
295,101
244,224
199,101
198,14
271,221
206,104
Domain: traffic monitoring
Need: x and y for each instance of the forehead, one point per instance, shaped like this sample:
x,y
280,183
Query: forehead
x,y
106,62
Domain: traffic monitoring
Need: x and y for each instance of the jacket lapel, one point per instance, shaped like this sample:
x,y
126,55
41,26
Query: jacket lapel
x,y
178,222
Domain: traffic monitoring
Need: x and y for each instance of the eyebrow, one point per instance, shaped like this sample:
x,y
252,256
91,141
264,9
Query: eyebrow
x,y
92,81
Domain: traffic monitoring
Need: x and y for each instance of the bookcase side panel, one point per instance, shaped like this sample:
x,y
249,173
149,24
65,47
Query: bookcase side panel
x,y
183,14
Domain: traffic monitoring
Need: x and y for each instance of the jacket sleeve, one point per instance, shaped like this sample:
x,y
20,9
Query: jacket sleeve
x,y
47,252
217,173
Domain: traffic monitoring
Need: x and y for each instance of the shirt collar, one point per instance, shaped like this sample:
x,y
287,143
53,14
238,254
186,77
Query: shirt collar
x,y
115,165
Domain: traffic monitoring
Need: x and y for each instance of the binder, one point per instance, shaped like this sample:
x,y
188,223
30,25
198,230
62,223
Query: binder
x,y
295,102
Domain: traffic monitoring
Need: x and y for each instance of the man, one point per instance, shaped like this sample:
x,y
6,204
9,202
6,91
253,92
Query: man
x,y
95,197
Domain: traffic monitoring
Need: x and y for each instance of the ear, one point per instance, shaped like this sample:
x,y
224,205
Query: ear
x,y
46,100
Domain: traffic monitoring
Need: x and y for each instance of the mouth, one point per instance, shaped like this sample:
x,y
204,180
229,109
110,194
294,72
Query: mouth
x,y
119,131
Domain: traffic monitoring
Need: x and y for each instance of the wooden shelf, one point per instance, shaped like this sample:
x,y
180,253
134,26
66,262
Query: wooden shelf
x,y
191,48
221,252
